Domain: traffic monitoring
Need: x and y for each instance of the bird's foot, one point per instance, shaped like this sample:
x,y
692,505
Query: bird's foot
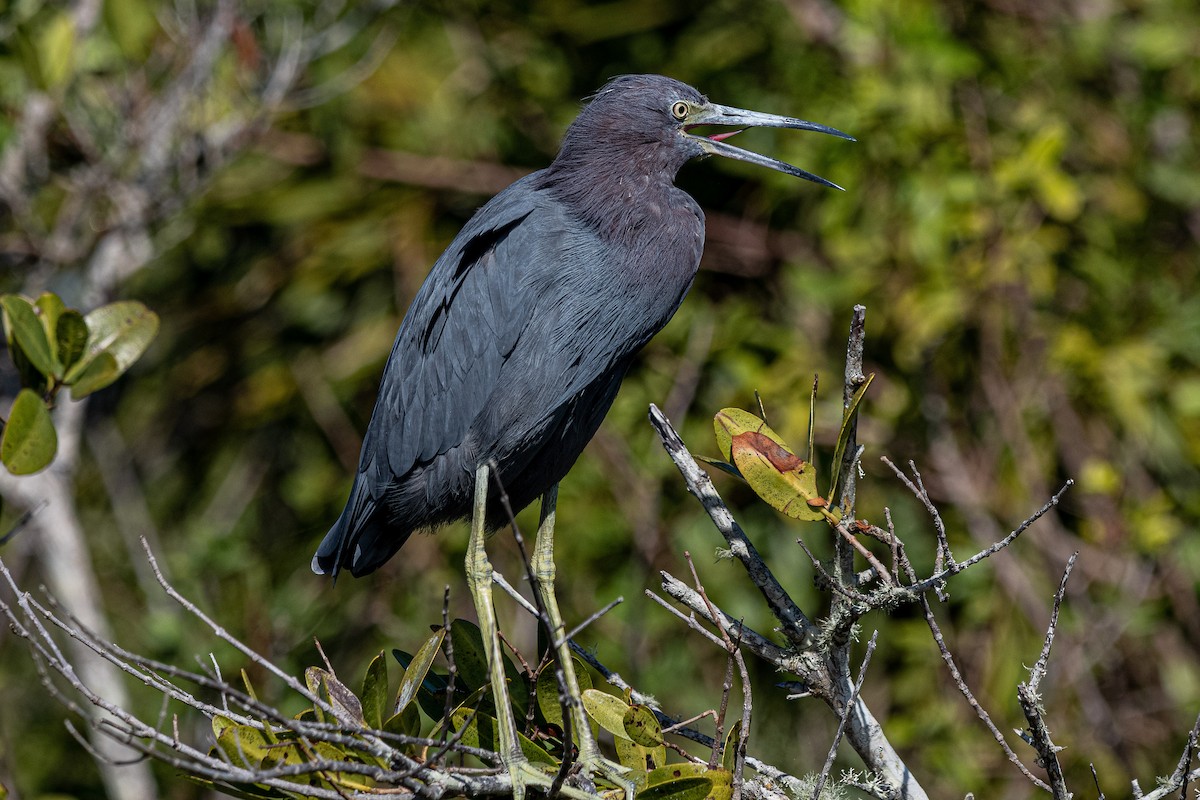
x,y
594,764
525,774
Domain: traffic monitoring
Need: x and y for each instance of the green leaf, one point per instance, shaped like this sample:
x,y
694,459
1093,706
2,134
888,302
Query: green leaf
x,y
375,693
642,726
785,481
547,690
247,746
471,661
417,670
92,374
406,722
124,329
469,656
721,780
29,441
729,754
431,694
673,772
22,327
49,307
71,335
693,788
839,452
483,730
31,376
610,713
118,334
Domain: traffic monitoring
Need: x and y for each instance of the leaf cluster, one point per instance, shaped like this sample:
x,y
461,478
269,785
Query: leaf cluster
x,y
54,348
436,713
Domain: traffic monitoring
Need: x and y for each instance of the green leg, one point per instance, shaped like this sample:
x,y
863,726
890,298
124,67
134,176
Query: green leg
x,y
590,759
479,579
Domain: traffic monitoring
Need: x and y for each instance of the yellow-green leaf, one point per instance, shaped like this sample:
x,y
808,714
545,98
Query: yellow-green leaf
x,y
243,745
721,780
416,673
672,772
49,308
785,481
695,788
268,731
29,441
722,784
640,760
642,726
729,422
432,688
607,711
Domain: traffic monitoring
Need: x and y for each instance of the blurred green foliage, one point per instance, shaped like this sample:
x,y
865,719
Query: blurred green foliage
x,y
1021,221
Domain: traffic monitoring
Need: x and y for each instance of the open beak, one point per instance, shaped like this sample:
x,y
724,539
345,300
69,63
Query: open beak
x,y
713,114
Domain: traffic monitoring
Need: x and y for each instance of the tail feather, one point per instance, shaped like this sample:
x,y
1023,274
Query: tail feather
x,y
361,540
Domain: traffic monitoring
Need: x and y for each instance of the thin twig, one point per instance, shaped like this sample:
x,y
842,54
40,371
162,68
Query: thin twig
x,y
1039,668
957,677
1030,701
939,577
847,709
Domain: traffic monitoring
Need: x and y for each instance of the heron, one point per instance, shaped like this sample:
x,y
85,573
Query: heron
x,y
513,349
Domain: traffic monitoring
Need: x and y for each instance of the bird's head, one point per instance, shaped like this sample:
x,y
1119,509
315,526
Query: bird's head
x,y
659,119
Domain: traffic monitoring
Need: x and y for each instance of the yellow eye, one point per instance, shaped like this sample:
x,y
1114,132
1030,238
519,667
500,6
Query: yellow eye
x,y
679,110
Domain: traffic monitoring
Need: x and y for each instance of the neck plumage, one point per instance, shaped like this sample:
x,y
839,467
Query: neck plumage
x,y
617,189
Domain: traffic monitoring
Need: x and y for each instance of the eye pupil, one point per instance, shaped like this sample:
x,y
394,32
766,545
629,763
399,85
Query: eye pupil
x,y
679,110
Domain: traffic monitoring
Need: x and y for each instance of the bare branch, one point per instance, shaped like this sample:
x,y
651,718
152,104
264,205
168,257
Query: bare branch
x,y
796,626
844,716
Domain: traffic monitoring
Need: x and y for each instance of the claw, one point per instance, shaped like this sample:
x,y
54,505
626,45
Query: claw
x,y
596,764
